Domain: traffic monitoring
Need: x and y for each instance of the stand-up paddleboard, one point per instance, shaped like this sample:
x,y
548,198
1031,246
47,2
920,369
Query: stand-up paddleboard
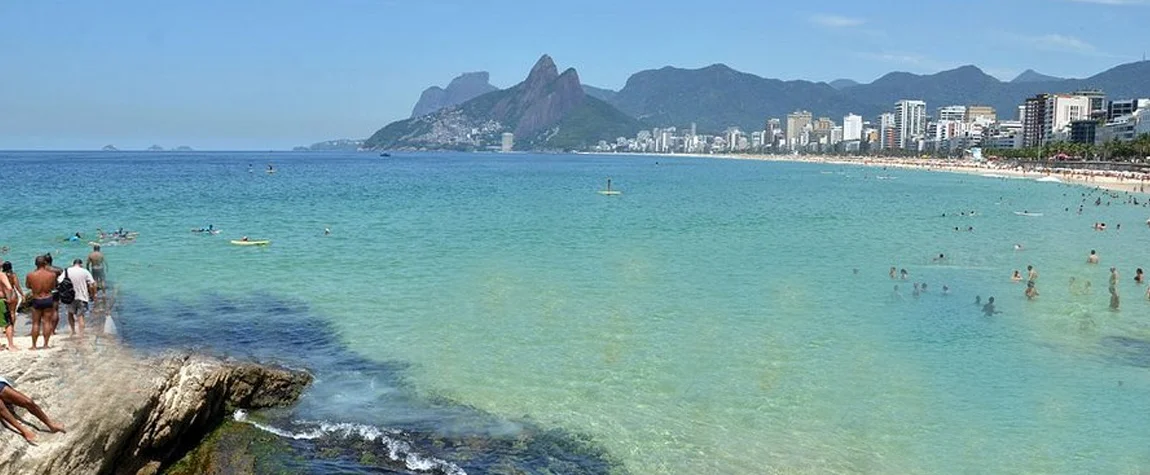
x,y
609,191
239,242
1028,214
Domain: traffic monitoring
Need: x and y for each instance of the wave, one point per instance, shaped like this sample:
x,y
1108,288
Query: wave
x,y
397,450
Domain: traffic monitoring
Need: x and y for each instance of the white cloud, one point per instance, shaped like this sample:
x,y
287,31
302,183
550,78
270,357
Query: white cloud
x,y
1060,43
836,21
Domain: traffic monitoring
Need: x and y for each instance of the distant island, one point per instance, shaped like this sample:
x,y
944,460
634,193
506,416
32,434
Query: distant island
x,y
155,148
184,148
110,148
339,145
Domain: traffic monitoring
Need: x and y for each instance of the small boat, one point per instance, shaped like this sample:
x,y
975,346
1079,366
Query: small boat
x,y
241,242
1028,214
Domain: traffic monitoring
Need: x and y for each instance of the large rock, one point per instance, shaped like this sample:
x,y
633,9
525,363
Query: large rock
x,y
127,414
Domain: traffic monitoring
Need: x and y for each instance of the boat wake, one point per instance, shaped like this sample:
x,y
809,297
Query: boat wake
x,y
397,450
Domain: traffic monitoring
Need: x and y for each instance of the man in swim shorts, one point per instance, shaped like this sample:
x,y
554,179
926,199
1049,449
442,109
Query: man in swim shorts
x,y
10,396
42,282
97,267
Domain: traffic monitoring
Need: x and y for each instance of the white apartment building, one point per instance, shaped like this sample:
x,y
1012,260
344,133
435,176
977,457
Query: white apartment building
x,y
1061,110
852,127
951,113
909,123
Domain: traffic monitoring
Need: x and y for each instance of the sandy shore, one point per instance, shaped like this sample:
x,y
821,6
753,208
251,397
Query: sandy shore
x,y
1107,180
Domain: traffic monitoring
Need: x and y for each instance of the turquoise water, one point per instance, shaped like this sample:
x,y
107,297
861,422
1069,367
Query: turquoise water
x,y
709,320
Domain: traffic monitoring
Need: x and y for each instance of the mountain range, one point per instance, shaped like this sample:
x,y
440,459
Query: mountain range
x,y
717,97
547,111
554,110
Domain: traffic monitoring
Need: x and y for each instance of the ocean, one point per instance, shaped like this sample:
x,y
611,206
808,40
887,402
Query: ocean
x,y
494,313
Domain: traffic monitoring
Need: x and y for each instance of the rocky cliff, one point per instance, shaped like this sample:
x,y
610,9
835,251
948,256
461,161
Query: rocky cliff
x,y
464,88
548,110
126,414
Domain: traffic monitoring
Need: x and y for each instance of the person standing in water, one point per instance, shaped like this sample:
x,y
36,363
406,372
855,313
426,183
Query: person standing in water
x,y
1031,292
1113,276
989,309
893,273
1093,258
96,266
1031,274
1138,277
1017,277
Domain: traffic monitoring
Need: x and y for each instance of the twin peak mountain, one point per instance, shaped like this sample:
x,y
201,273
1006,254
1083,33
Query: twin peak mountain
x,y
547,111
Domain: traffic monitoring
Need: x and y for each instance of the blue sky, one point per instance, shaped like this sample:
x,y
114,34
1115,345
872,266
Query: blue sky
x,y
245,74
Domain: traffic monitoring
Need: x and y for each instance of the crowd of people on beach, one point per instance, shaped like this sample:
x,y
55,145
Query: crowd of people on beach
x,y
51,290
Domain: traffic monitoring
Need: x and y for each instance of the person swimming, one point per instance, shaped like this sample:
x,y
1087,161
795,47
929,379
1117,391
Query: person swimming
x,y
977,300
1092,258
904,275
893,273
1017,277
1031,292
1018,247
327,231
940,258
1138,275
989,309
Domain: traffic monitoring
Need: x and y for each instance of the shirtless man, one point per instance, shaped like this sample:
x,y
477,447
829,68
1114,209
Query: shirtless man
x,y
10,396
1031,274
41,282
98,268
1093,258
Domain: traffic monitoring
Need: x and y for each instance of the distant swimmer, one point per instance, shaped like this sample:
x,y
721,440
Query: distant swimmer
x,y
977,300
940,258
1017,277
945,290
893,273
1031,274
989,309
916,292
327,231
75,237
1113,276
1092,258
1031,292
897,296
1138,278
1114,301
904,274
1018,247
245,239
924,287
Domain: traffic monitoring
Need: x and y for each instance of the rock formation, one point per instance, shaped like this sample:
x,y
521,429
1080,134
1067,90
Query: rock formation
x,y
127,414
464,88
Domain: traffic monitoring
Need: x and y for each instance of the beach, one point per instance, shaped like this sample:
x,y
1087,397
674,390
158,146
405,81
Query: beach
x,y
1132,182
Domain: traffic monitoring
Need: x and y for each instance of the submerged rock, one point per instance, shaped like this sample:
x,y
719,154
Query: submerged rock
x,y
127,414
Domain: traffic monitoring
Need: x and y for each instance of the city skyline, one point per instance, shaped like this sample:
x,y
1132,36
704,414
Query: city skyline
x,y
239,75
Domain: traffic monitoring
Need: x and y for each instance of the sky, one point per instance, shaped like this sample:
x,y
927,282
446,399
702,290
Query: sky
x,y
262,75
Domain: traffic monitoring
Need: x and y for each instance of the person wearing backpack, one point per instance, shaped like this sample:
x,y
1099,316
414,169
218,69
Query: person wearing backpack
x,y
83,287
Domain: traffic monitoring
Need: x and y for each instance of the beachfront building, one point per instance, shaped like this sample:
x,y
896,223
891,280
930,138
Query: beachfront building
x,y
852,127
797,122
1116,109
1084,131
507,143
909,124
1032,115
1096,100
1060,111
1004,134
1125,128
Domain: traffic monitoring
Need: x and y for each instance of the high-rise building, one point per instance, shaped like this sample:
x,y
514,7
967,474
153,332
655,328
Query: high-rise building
x,y
951,113
886,132
1097,102
824,124
796,122
852,127
1060,111
981,113
508,142
1033,120
909,123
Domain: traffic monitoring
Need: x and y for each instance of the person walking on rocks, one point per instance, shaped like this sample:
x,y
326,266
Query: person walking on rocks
x,y
85,287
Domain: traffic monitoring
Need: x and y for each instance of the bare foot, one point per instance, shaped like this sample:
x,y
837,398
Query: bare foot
x,y
28,435
54,428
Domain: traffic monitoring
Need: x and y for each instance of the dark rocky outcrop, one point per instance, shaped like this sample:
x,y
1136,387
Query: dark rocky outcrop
x,y
461,89
126,414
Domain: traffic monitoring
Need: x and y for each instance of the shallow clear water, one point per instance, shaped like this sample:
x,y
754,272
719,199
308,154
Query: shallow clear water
x,y
708,320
